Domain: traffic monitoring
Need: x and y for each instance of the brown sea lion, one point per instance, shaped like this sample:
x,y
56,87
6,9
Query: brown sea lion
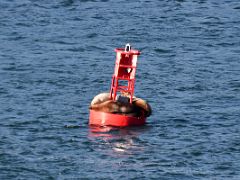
x,y
100,98
139,107
144,105
116,107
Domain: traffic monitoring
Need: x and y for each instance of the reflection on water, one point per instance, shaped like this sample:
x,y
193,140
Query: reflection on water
x,y
122,140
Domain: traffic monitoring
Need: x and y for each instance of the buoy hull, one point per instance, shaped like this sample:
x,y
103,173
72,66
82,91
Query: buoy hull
x,y
99,118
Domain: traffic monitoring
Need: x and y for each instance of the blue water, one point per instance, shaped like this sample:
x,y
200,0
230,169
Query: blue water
x,y
55,56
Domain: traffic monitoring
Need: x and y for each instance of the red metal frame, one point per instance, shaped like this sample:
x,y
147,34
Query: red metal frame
x,y
125,70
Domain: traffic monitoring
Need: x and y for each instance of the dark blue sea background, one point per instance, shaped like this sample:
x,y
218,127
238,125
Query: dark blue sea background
x,y
56,55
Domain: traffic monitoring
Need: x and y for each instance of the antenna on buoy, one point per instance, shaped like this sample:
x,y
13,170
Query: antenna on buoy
x,y
127,47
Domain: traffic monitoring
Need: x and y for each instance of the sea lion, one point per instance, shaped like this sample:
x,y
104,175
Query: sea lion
x,y
102,102
100,98
115,107
144,105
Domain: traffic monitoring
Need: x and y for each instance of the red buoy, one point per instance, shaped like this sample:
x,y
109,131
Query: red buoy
x,y
108,119
114,110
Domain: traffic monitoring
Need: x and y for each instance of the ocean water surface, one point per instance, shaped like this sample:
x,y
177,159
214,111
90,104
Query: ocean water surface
x,y
55,56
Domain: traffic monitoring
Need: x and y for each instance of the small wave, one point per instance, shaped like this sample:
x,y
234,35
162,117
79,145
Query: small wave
x,y
162,51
